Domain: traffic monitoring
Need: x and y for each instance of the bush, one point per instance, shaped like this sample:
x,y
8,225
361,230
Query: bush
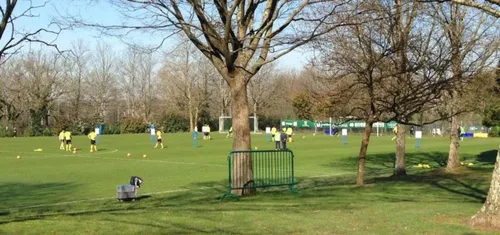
x,y
495,131
175,123
6,131
28,132
132,125
268,122
47,132
111,129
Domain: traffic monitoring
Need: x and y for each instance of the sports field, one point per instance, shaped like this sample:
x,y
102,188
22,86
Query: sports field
x,y
58,192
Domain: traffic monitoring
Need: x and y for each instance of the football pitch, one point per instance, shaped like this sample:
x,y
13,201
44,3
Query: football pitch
x,y
57,192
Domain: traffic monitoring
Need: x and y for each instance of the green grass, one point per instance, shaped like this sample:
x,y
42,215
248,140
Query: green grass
x,y
54,192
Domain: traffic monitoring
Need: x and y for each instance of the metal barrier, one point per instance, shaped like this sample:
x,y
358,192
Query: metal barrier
x,y
269,168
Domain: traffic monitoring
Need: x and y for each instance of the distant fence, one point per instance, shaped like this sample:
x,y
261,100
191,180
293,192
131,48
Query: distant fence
x,y
270,168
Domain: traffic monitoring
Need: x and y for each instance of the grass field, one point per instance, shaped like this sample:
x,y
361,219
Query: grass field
x,y
55,192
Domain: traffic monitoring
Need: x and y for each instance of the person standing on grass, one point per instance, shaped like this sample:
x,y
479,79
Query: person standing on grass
x,y
159,139
67,138
461,133
395,132
283,140
412,129
273,133
289,133
92,136
230,132
61,139
277,139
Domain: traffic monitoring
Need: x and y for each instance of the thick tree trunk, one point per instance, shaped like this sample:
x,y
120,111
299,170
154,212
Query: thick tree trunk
x,y
242,166
362,153
453,155
489,215
399,164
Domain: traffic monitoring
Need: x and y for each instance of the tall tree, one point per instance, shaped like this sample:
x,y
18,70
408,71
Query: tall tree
x,y
183,80
471,39
101,82
40,79
78,71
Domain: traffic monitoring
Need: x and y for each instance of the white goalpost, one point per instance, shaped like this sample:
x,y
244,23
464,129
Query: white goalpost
x,y
225,124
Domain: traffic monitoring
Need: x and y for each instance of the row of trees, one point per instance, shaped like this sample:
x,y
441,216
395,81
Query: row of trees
x,y
42,92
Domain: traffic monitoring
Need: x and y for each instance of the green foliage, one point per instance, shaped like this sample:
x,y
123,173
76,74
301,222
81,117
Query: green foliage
x,y
111,129
47,132
303,106
6,130
28,131
132,125
175,123
205,118
495,131
268,122
492,116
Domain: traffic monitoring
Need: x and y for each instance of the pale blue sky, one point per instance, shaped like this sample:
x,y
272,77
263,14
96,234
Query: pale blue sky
x,y
105,14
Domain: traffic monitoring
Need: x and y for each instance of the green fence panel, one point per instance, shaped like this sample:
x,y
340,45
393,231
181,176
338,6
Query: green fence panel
x,y
270,168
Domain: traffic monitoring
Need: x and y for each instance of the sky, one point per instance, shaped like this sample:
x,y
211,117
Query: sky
x,y
102,12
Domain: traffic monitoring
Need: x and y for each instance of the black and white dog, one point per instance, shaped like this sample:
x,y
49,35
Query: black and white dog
x,y
136,181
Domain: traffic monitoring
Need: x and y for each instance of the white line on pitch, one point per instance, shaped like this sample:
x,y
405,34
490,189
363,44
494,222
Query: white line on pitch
x,y
108,198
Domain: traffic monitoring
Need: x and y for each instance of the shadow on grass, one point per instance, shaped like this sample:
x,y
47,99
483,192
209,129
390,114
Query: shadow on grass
x,y
333,193
488,156
25,195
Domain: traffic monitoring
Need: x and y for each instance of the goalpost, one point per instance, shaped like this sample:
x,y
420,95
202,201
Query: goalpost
x,y
225,124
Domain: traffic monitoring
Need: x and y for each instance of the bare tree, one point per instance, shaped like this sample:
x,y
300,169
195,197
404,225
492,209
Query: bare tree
x,y
385,70
491,7
259,88
12,36
137,83
472,40
39,76
78,72
182,78
101,82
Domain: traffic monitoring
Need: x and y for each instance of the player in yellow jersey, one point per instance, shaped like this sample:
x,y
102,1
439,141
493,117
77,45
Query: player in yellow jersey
x,y
159,139
67,138
395,132
273,133
61,139
289,133
230,133
92,136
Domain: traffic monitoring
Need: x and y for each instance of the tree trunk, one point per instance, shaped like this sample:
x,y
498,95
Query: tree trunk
x,y
362,153
242,166
489,215
453,155
399,164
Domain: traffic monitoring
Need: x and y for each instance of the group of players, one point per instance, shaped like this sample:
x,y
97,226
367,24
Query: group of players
x,y
280,138
65,138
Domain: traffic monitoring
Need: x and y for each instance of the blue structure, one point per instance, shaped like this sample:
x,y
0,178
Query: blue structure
x,y
344,139
417,143
152,135
100,133
195,136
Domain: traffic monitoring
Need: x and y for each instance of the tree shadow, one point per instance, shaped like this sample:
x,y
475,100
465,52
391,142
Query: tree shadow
x,y
488,156
25,195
